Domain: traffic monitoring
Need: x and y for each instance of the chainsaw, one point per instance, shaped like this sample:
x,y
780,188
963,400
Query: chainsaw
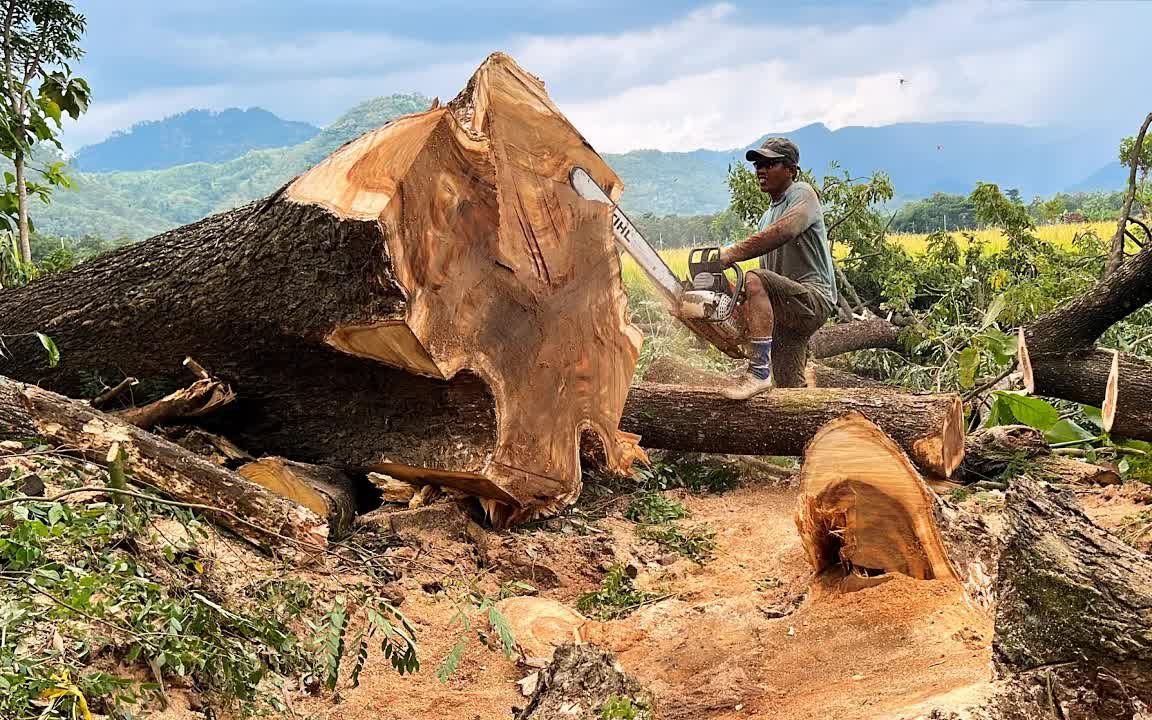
x,y
705,302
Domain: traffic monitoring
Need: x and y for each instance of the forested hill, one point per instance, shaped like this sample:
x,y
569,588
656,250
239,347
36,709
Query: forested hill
x,y
192,136
921,158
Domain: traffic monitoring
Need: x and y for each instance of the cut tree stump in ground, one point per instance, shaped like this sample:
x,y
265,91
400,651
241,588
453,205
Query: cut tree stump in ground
x,y
1074,611
930,428
433,300
264,518
864,510
577,684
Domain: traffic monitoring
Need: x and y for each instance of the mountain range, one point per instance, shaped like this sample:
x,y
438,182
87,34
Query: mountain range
x,y
167,173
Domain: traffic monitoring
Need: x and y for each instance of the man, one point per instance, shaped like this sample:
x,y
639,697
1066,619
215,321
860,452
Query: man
x,y
792,293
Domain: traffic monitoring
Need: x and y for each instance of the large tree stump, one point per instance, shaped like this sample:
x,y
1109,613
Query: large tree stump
x,y
930,428
863,509
433,301
1074,611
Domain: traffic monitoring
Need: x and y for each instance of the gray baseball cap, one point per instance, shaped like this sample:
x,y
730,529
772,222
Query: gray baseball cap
x,y
773,148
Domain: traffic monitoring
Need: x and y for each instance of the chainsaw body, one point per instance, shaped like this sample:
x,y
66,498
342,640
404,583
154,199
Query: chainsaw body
x,y
708,294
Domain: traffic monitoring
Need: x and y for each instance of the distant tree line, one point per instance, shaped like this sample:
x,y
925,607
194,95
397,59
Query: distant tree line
x,y
944,211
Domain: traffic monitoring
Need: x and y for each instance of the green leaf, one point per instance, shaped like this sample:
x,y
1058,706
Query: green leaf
x,y
993,311
500,624
452,661
1094,415
969,361
1010,408
1066,431
50,346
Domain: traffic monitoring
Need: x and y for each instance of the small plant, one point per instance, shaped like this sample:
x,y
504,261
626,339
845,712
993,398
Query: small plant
x,y
618,707
695,543
653,508
695,477
504,641
616,597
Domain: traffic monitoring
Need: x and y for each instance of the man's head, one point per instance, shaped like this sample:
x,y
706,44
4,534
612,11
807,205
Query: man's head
x,y
777,163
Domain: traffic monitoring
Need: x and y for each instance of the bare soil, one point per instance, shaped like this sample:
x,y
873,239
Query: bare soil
x,y
743,636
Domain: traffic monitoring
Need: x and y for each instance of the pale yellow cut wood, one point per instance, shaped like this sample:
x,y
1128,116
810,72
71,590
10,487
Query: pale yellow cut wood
x,y
1111,394
1025,362
324,491
541,625
863,507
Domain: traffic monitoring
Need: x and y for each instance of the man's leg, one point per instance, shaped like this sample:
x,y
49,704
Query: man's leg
x,y
759,319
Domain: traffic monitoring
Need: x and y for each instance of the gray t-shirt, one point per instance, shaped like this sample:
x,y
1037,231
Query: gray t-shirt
x,y
807,258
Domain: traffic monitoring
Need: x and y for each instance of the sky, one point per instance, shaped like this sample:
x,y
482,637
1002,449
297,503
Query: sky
x,y
668,75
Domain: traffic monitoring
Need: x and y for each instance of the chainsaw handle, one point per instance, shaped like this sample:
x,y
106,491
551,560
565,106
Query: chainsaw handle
x,y
739,290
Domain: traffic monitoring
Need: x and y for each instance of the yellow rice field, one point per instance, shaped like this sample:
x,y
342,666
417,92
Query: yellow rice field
x,y
1061,235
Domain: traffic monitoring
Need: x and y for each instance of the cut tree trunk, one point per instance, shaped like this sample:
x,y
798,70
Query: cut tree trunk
x,y
267,520
1074,610
930,428
864,510
833,340
433,301
323,490
1064,362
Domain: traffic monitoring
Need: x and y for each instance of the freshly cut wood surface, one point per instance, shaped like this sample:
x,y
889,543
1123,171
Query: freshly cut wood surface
x,y
782,421
864,507
323,490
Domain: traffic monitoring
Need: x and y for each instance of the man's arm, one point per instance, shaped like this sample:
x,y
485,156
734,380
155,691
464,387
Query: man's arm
x,y
796,219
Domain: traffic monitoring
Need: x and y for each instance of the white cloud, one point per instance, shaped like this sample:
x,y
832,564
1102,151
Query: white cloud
x,y
715,78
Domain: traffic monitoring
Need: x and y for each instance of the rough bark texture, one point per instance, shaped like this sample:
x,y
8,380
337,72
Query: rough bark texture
x,y
1082,376
833,340
575,686
989,452
433,300
291,529
1074,610
200,398
1065,363
930,428
323,490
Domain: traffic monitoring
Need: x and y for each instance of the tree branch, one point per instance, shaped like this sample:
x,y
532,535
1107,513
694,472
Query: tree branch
x,y
1116,251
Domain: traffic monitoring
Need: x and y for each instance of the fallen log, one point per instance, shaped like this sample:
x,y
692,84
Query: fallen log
x,y
432,301
1074,612
990,453
840,338
323,490
1064,362
269,521
863,510
930,428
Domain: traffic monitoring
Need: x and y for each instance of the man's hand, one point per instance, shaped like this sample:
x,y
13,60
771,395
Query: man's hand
x,y
727,258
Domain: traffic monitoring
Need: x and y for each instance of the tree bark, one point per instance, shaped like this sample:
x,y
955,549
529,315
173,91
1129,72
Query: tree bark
x,y
1116,247
1065,363
990,453
930,428
432,301
19,161
1074,610
833,340
277,524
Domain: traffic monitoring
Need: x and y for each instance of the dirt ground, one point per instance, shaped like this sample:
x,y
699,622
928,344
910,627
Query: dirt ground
x,y
742,636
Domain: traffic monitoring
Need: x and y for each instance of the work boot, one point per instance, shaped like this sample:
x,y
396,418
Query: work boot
x,y
759,375
749,385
